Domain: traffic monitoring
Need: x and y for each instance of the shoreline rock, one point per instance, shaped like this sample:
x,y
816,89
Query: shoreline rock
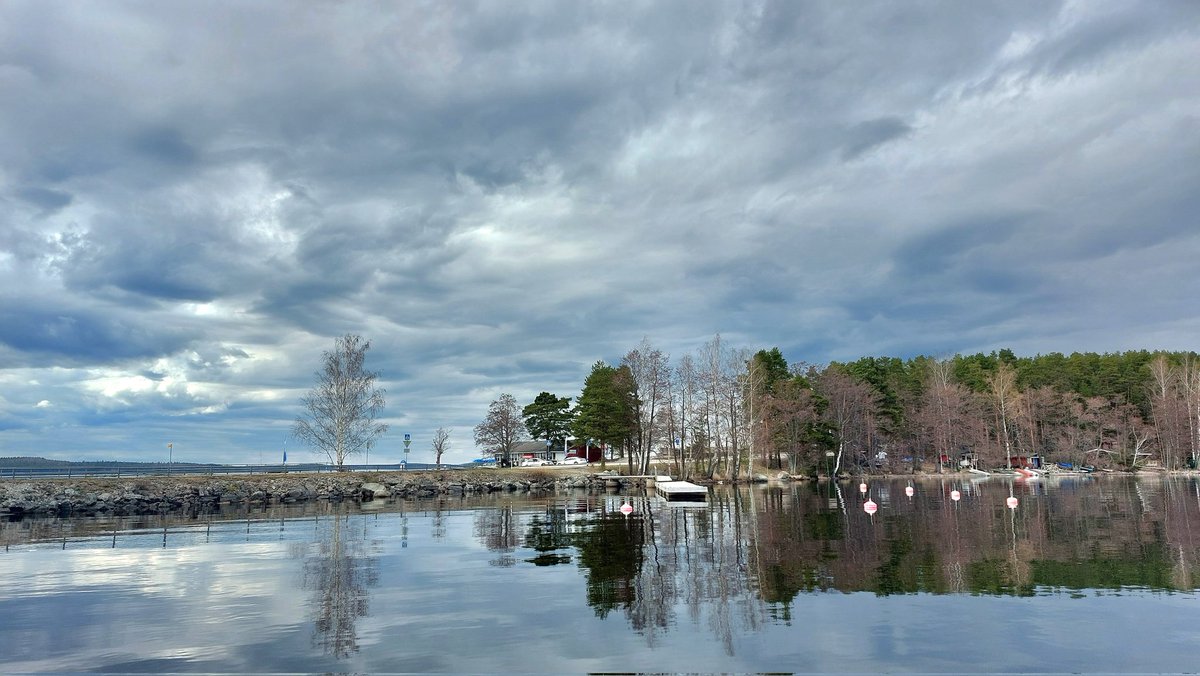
x,y
165,494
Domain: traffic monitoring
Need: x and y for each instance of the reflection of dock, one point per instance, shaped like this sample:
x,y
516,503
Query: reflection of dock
x,y
680,490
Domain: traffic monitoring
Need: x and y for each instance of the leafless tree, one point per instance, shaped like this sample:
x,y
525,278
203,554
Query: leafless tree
x,y
651,376
342,408
737,387
502,428
721,375
1189,378
683,417
942,415
786,412
440,444
1005,398
709,373
849,414
1038,412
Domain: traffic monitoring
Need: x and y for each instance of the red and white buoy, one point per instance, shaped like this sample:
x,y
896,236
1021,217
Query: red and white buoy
x,y
626,508
862,488
1011,502
908,490
955,495
870,507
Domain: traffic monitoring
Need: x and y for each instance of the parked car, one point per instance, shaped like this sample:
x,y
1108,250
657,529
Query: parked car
x,y
574,460
534,462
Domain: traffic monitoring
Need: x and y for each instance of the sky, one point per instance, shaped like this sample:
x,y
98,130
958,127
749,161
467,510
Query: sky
x,y
196,199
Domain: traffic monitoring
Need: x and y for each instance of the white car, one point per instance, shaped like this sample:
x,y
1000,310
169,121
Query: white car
x,y
534,462
574,460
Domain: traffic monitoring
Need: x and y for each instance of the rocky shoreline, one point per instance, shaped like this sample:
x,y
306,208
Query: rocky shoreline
x,y
166,494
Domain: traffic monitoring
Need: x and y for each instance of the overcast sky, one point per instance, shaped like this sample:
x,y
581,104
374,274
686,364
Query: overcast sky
x,y
197,197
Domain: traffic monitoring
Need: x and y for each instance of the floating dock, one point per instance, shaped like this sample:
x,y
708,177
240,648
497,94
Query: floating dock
x,y
681,490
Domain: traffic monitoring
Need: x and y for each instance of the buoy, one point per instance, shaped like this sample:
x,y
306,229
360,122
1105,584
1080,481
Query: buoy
x,y
870,507
627,509
955,495
1011,502
862,488
908,490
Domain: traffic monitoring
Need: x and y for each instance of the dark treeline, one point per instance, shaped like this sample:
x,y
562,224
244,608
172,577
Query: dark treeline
x,y
1125,410
722,411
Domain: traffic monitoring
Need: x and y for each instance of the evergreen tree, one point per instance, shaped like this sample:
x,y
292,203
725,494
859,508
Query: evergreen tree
x,y
605,408
549,417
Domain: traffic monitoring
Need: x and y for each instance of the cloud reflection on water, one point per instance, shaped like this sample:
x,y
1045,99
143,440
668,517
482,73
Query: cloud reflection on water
x,y
770,578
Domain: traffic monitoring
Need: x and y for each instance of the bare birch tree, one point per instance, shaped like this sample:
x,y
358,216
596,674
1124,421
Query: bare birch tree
x,y
722,384
1189,378
1005,398
341,409
941,410
684,393
1169,410
651,375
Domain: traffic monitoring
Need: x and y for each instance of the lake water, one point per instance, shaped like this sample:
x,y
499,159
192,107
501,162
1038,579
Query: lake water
x,y
1085,575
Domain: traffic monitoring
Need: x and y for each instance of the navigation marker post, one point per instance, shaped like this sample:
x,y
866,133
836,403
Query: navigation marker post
x,y
407,443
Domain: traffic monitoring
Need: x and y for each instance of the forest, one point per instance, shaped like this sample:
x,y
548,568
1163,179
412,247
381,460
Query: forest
x,y
723,412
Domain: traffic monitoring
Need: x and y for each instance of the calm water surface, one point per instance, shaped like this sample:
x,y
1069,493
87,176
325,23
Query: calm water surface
x,y
1084,575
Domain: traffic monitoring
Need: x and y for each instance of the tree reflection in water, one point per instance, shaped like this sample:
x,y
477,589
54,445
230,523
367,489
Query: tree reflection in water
x,y
499,532
660,561
339,572
749,554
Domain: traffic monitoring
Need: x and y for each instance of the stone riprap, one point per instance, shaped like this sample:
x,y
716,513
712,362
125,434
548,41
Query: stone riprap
x,y
156,495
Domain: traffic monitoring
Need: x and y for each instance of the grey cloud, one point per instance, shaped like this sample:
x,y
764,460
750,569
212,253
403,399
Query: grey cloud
x,y
165,146
1112,30
47,199
956,244
69,334
864,136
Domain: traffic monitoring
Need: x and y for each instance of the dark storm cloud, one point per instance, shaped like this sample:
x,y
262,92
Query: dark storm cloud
x,y
50,200
77,335
867,135
199,197
164,146
958,244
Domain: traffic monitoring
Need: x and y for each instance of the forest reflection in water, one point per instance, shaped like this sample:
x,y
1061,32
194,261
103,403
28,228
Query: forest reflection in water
x,y
746,557
747,560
